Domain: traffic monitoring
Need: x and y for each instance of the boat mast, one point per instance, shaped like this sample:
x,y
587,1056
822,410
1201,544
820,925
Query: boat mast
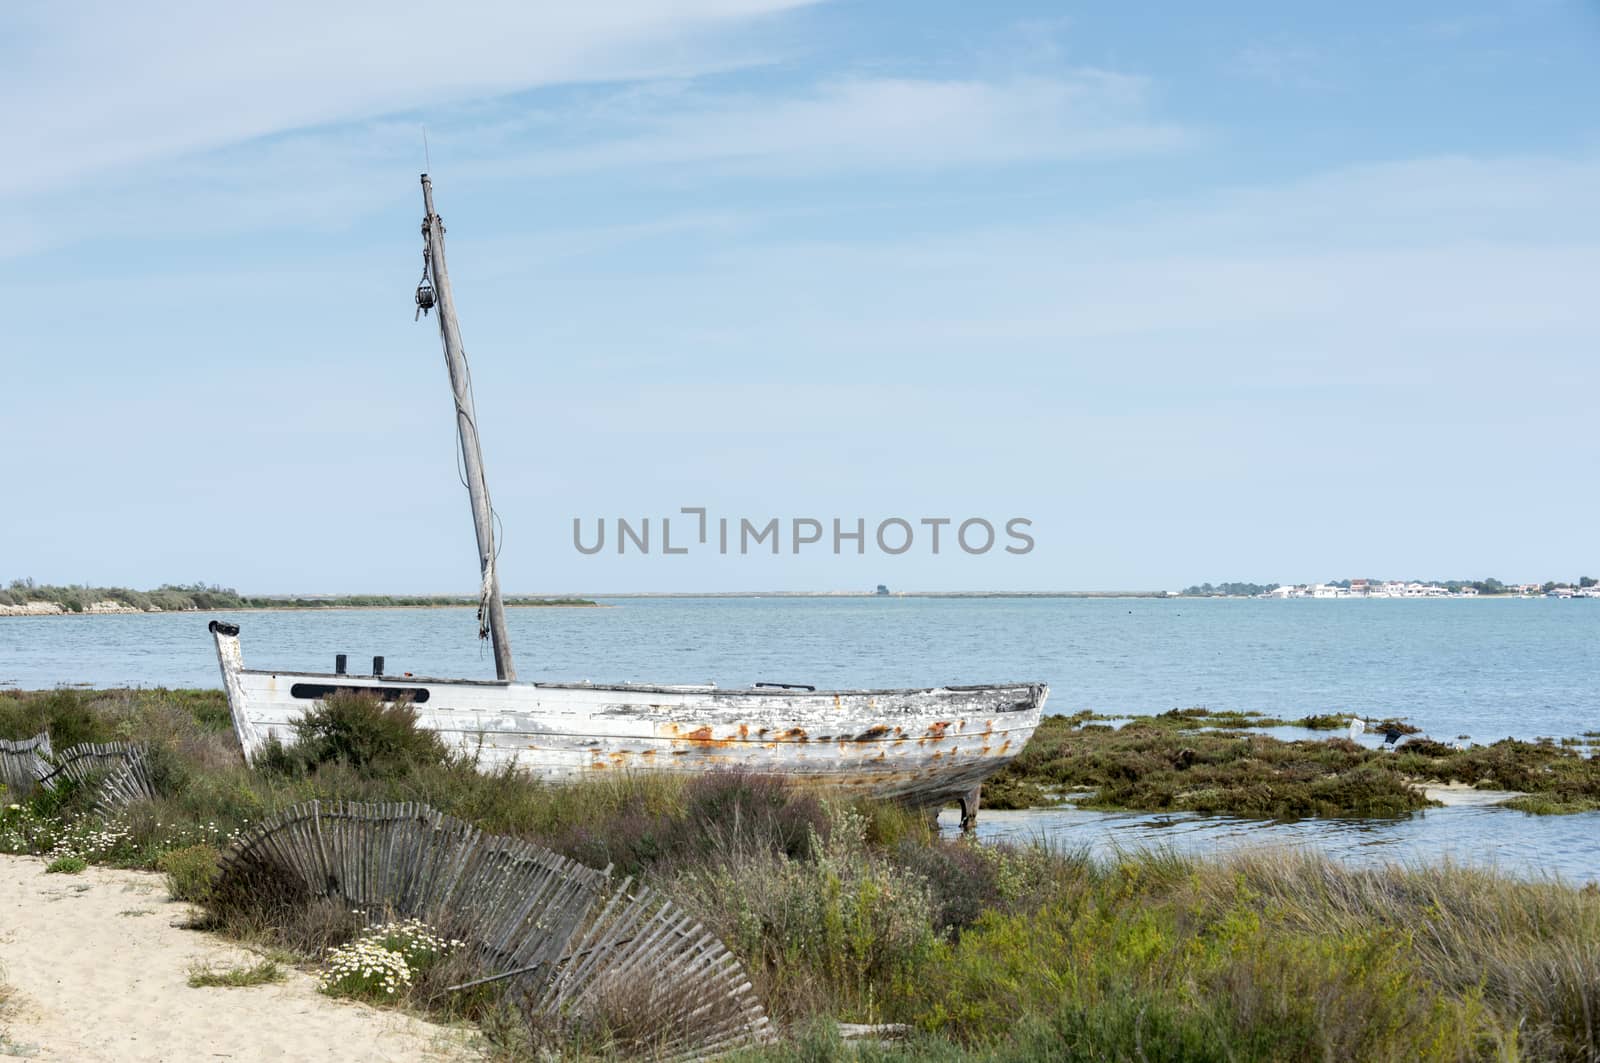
x,y
491,610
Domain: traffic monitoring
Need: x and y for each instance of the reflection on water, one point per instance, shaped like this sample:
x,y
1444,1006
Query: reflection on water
x,y
1513,842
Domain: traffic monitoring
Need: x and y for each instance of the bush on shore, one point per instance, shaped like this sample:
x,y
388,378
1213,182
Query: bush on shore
x,y
374,738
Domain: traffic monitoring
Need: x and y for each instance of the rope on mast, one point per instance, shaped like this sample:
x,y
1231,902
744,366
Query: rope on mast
x,y
426,299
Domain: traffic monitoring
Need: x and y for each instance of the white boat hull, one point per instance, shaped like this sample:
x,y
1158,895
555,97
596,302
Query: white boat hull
x,y
924,746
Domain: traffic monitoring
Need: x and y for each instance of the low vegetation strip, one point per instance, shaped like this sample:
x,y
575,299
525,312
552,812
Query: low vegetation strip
x,y
1194,761
26,598
860,913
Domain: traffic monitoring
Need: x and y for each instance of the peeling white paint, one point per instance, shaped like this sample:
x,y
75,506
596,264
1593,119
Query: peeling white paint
x,y
925,746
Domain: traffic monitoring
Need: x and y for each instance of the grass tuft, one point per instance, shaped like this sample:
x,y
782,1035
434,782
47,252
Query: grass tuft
x,y
190,872
262,973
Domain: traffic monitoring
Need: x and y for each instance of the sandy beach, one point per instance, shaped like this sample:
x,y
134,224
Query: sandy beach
x,y
98,964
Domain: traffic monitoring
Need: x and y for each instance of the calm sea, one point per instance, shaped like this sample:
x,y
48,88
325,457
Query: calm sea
x,y
1487,669
1483,669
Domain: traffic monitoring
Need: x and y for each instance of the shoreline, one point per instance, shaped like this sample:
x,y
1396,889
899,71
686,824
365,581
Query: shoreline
x,y
39,609
20,612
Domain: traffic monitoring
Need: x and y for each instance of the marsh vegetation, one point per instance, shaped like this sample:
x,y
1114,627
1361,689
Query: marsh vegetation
x,y
1196,761
861,912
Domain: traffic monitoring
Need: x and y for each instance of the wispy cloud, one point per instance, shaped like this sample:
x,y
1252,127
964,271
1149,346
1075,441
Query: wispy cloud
x,y
877,123
327,174
106,84
1470,250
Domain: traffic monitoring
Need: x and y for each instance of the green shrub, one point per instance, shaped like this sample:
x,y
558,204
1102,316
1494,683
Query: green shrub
x,y
66,865
377,739
837,932
65,714
67,800
190,872
650,822
208,708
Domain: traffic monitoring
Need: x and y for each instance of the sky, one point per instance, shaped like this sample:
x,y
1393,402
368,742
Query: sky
x,y
1235,291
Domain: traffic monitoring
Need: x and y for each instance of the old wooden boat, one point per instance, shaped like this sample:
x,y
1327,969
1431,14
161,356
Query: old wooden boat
x,y
925,746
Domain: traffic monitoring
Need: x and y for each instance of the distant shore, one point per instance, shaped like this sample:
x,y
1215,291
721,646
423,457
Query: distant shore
x,y
114,607
889,594
111,607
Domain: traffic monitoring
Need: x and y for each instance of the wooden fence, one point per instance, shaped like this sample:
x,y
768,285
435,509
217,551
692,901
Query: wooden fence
x,y
117,769
662,985
23,763
568,942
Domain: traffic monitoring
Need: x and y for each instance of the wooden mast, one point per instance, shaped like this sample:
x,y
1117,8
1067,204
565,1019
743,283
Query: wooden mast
x,y
492,611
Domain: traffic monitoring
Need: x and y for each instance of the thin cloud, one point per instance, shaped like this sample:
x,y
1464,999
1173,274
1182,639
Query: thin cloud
x,y
326,176
876,123
103,85
1421,249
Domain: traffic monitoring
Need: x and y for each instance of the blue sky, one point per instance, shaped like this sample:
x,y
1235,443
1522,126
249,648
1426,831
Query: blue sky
x,y
1206,292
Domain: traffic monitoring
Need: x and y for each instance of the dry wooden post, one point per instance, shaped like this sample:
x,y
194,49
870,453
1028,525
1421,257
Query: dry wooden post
x,y
467,427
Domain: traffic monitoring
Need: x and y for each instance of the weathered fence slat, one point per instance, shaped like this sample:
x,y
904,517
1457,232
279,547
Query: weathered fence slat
x,y
87,762
126,784
566,940
23,763
117,769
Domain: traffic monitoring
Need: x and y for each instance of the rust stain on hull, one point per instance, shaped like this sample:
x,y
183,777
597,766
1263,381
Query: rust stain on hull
x,y
920,745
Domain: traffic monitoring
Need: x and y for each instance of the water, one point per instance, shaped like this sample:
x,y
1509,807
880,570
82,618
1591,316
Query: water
x,y
1484,669
1514,842
1487,669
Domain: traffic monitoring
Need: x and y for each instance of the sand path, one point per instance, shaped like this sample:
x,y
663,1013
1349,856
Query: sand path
x,y
98,968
